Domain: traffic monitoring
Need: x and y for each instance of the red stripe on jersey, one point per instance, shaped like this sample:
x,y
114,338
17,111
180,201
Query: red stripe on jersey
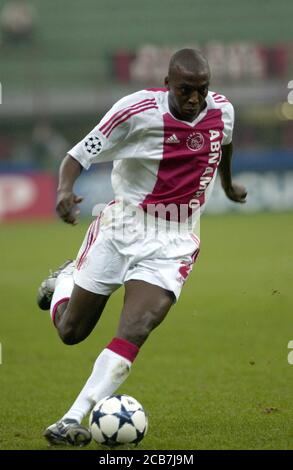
x,y
92,235
219,98
105,127
195,239
89,236
128,115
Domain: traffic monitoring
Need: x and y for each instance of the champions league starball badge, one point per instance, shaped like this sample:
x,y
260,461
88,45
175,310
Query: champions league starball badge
x,y
93,145
195,141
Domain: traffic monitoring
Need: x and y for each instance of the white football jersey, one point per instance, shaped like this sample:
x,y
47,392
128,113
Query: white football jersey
x,y
159,159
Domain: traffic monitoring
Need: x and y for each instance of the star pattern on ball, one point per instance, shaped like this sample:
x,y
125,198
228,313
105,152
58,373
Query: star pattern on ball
x,y
93,145
140,436
111,441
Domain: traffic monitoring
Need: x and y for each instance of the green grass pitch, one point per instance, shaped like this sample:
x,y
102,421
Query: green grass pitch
x,y
214,375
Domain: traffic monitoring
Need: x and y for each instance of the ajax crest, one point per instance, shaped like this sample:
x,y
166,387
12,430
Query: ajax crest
x,y
195,141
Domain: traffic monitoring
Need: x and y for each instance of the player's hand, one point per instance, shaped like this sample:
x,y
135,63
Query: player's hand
x,y
236,193
66,206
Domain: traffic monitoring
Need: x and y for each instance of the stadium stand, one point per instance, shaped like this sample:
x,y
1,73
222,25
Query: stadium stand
x,y
74,41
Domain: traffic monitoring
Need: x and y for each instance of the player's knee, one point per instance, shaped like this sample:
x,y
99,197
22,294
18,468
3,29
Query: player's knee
x,y
69,334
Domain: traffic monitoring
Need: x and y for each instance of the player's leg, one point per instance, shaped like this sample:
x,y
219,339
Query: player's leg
x,y
78,292
75,318
114,362
74,310
145,307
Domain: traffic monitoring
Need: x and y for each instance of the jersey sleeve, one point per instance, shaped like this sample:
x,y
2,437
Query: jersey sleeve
x,y
228,119
102,143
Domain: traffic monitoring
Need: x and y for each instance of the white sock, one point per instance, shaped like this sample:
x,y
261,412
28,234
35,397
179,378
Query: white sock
x,y
109,372
63,288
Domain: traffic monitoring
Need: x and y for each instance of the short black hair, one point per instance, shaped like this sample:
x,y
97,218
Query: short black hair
x,y
190,59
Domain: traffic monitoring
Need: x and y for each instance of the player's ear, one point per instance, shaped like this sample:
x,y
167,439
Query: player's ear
x,y
167,83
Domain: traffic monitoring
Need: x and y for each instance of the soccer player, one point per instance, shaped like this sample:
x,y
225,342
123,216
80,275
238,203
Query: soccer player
x,y
167,145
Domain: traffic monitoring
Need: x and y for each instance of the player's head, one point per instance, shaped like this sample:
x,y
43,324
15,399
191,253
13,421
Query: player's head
x,y
187,81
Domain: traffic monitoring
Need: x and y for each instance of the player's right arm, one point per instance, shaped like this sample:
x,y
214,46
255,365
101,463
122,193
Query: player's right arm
x,y
102,144
91,149
70,170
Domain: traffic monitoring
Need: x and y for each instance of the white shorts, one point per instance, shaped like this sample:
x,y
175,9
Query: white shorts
x,y
117,248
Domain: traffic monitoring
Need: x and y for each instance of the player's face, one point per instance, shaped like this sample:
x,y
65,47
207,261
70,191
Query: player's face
x,y
187,93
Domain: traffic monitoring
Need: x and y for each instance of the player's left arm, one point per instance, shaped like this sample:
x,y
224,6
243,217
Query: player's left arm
x,y
233,191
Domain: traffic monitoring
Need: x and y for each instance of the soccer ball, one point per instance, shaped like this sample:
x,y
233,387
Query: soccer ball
x,y
118,419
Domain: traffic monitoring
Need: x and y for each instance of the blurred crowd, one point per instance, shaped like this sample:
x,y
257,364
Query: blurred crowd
x,y
18,21
41,148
